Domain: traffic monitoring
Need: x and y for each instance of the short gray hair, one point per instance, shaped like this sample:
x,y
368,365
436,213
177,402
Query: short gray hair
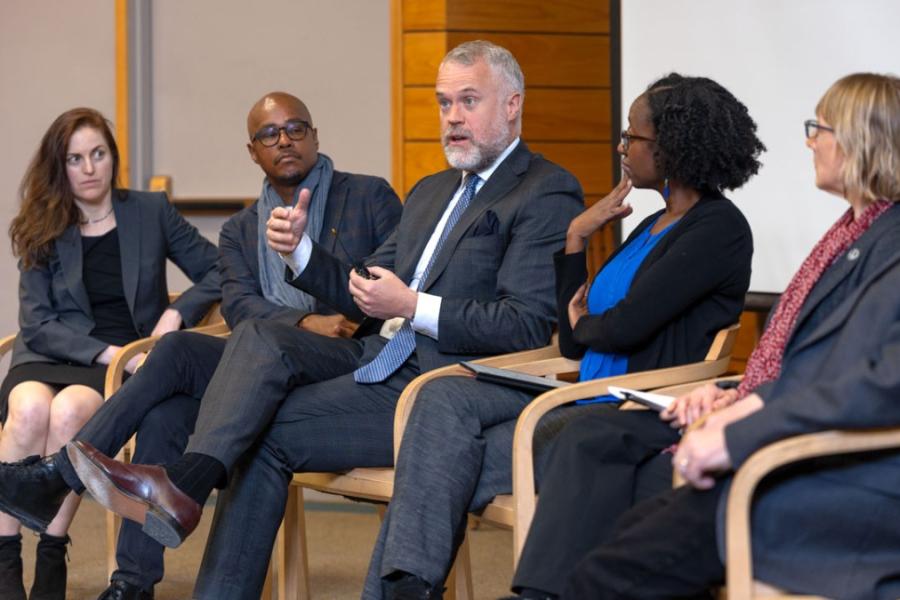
x,y
499,58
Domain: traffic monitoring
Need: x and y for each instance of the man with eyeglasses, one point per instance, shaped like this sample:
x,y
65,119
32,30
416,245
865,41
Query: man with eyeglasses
x,y
350,216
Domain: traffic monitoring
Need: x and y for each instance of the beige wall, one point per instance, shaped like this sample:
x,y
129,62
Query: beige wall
x,y
212,59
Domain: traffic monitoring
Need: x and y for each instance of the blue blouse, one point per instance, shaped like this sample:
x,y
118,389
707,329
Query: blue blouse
x,y
609,287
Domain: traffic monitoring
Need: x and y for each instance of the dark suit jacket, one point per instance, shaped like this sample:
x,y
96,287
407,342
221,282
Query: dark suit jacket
x,y
55,317
495,270
829,527
691,285
360,214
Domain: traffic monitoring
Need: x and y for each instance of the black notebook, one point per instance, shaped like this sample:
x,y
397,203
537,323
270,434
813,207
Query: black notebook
x,y
510,378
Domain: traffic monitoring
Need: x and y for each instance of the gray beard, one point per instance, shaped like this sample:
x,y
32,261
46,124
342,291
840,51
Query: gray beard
x,y
478,158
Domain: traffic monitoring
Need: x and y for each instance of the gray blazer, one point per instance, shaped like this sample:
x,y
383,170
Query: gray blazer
x,y
495,271
55,318
829,527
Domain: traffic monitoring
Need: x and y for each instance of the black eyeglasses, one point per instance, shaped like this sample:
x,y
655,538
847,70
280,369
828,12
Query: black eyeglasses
x,y
295,130
812,128
627,138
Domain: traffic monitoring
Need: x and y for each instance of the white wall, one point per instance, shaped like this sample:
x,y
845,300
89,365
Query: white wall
x,y
212,60
778,57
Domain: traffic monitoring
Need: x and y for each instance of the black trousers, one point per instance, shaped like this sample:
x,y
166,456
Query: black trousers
x,y
600,465
664,547
159,404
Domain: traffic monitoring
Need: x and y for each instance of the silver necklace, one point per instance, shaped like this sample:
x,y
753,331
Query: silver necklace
x,y
93,221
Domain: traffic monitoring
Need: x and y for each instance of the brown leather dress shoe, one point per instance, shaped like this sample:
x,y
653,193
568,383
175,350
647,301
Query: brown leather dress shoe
x,y
142,493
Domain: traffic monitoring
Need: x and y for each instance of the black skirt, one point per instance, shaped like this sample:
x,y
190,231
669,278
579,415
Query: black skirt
x,y
57,376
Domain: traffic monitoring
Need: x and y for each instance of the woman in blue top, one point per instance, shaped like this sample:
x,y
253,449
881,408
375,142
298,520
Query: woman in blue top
x,y
658,302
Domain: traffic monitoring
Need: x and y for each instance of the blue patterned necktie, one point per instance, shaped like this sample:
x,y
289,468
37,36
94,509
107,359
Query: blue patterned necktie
x,y
401,346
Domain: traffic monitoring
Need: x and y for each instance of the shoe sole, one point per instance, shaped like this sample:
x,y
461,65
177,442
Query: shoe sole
x,y
155,523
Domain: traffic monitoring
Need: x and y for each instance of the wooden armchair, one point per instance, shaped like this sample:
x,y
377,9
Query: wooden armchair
x,y
739,567
515,511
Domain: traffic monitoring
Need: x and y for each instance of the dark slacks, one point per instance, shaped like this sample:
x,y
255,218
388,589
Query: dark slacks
x,y
330,425
599,466
664,547
456,456
159,403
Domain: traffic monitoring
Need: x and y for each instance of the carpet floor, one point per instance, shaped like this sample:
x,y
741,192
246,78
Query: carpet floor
x,y
340,538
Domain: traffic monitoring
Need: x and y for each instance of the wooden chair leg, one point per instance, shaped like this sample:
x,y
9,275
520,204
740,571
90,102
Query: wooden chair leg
x,y
459,582
293,579
113,523
267,584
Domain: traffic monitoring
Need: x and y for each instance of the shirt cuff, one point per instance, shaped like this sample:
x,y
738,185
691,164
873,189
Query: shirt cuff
x,y
298,260
428,311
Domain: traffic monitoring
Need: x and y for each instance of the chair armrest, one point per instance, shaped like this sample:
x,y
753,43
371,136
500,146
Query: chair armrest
x,y
411,393
541,361
116,369
523,440
739,571
6,344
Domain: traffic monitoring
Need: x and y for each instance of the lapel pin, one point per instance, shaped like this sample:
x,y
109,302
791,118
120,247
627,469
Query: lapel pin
x,y
853,254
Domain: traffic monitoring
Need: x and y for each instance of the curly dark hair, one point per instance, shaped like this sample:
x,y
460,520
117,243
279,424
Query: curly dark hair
x,y
705,136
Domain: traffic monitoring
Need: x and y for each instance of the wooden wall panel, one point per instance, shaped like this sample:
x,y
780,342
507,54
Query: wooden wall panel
x,y
567,115
422,158
560,60
547,60
424,15
589,162
584,16
422,54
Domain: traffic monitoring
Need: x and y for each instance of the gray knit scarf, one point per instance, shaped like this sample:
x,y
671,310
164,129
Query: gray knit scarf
x,y
271,267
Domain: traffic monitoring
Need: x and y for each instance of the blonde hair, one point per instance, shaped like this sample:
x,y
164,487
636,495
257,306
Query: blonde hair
x,y
864,110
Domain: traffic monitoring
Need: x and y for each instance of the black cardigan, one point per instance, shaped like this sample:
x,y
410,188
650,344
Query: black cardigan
x,y
691,285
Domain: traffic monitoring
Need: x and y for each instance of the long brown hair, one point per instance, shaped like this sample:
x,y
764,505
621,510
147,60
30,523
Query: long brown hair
x,y
46,192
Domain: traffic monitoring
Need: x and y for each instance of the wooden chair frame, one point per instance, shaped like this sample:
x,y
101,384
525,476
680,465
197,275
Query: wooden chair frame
x,y
739,566
514,511
212,324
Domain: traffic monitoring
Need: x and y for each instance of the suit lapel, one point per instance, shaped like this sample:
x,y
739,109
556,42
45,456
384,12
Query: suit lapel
x,y
68,248
129,225
504,179
408,258
845,265
334,212
840,315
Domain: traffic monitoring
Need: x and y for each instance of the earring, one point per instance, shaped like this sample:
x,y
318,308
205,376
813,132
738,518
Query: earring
x,y
666,191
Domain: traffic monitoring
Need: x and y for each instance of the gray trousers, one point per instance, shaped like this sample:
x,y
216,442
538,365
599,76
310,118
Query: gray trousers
x,y
280,404
455,457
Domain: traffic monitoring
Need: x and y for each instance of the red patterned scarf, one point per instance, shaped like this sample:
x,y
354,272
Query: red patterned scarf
x,y
765,361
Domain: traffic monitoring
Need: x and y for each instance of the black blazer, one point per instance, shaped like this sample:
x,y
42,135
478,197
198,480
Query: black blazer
x,y
55,317
494,272
360,214
691,285
829,527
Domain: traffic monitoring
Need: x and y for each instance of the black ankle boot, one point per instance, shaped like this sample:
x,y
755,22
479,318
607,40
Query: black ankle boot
x,y
50,569
11,586
32,490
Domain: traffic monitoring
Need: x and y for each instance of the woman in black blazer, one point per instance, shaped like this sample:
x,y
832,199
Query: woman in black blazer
x,y
689,138
92,263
